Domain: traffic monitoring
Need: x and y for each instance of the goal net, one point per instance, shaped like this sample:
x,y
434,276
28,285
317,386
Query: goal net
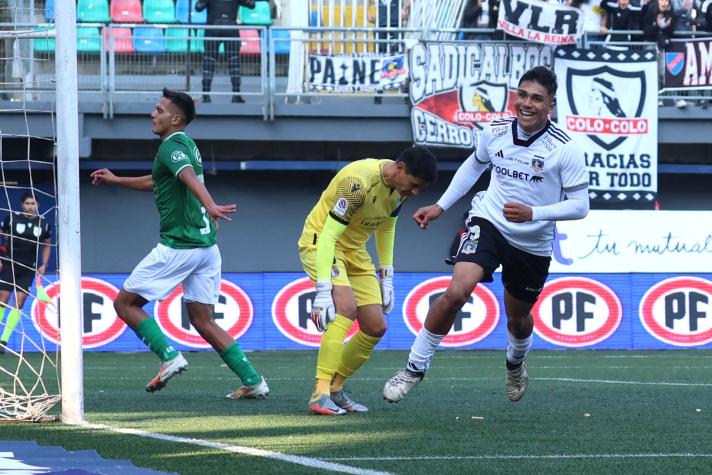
x,y
30,211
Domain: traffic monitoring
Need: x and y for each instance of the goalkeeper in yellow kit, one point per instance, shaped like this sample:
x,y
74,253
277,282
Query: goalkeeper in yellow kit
x,y
363,199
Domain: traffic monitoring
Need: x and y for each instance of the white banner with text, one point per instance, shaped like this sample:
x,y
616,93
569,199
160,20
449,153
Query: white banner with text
x,y
634,241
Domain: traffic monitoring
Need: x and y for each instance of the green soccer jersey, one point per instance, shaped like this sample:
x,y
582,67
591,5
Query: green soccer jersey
x,y
184,222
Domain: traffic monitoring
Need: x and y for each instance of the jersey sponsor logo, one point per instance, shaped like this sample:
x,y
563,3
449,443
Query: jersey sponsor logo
x,y
678,311
101,324
576,311
341,206
517,175
233,312
291,312
474,322
178,156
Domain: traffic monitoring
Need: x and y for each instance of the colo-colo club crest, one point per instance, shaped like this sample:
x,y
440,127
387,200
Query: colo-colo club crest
x,y
101,325
291,313
233,312
474,322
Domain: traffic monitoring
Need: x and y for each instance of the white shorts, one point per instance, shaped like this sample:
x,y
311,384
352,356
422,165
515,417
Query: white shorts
x,y
198,269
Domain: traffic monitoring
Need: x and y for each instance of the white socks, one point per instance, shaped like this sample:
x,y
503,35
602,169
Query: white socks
x,y
423,350
518,348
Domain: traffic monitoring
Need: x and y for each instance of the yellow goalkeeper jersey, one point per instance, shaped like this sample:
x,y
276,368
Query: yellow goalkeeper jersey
x,y
357,197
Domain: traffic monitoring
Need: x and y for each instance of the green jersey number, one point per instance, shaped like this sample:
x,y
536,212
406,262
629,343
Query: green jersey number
x,y
206,229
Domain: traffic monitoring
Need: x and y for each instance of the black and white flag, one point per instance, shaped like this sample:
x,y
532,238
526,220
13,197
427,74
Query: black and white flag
x,y
609,101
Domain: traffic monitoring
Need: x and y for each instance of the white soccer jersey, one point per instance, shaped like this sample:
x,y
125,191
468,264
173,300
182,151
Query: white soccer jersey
x,y
535,172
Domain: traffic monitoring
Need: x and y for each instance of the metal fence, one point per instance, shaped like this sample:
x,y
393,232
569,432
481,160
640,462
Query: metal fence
x,y
122,63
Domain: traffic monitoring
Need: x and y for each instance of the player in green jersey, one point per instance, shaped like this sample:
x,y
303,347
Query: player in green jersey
x,y
186,254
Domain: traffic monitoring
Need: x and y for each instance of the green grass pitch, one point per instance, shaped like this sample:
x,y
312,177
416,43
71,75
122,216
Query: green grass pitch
x,y
584,412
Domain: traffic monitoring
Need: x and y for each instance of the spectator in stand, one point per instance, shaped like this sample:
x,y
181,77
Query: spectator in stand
x,y
493,7
619,17
223,13
470,19
658,22
391,14
704,15
684,19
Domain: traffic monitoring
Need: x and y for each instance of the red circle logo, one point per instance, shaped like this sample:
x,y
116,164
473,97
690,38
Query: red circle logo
x,y
678,311
576,311
291,309
98,299
233,312
475,321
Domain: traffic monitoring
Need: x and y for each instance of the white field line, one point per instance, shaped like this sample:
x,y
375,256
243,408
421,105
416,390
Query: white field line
x,y
522,457
610,381
465,379
239,449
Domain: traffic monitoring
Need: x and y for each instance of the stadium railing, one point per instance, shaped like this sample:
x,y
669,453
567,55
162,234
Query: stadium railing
x,y
126,62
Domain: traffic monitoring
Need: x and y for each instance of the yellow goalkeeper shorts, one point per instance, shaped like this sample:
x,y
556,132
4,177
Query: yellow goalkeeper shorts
x,y
351,269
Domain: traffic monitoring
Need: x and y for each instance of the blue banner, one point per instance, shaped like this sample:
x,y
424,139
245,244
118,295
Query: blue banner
x,y
270,311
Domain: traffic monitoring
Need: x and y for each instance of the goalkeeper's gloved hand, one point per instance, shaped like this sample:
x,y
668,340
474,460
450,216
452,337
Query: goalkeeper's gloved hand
x,y
385,278
323,310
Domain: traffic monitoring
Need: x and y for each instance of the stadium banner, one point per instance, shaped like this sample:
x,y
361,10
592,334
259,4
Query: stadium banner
x,y
634,241
608,101
540,22
270,311
356,72
457,88
688,64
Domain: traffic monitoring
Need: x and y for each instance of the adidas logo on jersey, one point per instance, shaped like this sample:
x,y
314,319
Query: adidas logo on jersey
x,y
499,154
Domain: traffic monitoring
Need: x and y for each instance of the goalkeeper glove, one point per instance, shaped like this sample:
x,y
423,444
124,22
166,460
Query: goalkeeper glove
x,y
385,278
323,310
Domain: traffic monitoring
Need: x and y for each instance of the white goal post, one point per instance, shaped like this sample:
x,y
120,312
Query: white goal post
x,y
69,242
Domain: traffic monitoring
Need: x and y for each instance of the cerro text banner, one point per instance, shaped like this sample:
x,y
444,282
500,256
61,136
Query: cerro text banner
x,y
634,241
457,88
608,101
271,311
540,22
688,64
356,72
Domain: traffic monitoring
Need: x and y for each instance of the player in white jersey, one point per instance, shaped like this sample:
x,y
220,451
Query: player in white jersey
x,y
538,177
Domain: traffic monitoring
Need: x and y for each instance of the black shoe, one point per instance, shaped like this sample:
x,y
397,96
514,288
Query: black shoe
x,y
3,345
238,100
206,99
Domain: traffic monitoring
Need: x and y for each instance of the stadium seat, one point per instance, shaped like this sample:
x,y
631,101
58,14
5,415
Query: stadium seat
x,y
44,45
123,41
88,39
197,43
149,40
282,40
49,10
185,13
126,11
260,15
177,40
159,11
93,11
250,42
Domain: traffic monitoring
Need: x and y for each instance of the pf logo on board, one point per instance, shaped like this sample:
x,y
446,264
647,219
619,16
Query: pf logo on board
x,y
678,311
233,312
576,311
475,320
101,324
291,312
